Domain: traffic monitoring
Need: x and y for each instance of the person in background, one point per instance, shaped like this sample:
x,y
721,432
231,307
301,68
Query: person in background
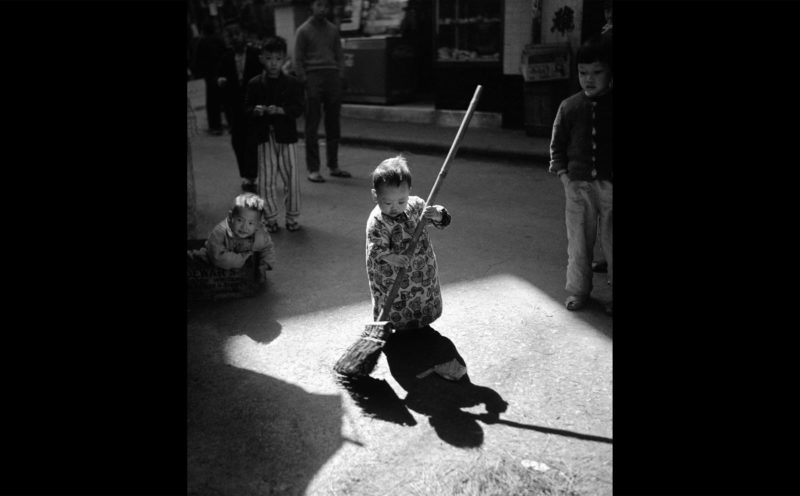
x,y
209,52
229,12
600,265
191,201
581,156
189,50
319,65
273,102
238,66
258,17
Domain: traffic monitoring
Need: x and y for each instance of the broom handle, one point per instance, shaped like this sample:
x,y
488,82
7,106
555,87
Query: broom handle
x,y
431,197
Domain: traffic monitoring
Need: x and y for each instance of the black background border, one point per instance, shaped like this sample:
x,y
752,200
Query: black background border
x,y
93,369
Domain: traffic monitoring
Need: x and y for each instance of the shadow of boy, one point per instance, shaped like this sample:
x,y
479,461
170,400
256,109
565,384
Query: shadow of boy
x,y
428,366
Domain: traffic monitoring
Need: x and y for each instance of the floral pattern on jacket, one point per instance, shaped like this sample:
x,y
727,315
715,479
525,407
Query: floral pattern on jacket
x,y
419,299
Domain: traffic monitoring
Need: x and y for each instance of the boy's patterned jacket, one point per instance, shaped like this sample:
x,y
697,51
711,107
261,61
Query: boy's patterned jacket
x,y
419,300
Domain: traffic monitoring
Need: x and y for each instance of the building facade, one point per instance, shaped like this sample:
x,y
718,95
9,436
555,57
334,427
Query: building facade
x,y
439,50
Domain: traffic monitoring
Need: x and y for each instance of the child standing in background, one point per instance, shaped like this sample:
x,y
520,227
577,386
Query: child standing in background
x,y
581,156
274,101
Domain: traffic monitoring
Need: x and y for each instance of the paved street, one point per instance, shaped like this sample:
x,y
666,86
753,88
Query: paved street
x,y
265,414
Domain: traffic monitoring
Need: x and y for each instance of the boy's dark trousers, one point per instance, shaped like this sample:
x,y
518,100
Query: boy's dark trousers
x,y
323,92
244,148
213,104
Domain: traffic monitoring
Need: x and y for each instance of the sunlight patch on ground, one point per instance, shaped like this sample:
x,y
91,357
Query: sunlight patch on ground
x,y
508,300
309,344
495,323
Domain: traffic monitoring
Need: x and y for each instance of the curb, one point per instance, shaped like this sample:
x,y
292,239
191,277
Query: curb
x,y
440,149
436,148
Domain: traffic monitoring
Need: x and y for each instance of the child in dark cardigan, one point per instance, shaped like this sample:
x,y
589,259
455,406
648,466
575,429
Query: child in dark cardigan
x,y
581,156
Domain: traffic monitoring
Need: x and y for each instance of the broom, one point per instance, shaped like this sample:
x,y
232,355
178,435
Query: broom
x,y
362,356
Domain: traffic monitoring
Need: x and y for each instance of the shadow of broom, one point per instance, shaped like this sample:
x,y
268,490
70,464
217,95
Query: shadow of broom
x,y
377,399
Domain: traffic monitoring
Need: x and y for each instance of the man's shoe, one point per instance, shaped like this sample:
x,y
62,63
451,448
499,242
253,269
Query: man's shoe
x,y
608,308
340,173
600,267
315,177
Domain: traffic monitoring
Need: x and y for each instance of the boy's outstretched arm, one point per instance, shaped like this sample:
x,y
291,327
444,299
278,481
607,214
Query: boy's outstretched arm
x,y
438,216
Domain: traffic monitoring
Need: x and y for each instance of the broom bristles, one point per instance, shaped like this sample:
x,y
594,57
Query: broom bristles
x,y
362,356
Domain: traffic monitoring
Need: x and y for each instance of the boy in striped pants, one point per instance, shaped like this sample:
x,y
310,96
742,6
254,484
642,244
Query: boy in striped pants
x,y
273,102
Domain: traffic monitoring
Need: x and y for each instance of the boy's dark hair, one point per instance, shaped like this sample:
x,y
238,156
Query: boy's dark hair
x,y
392,171
595,49
274,44
248,200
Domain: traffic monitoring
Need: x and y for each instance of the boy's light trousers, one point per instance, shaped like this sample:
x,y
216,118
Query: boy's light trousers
x,y
588,204
278,159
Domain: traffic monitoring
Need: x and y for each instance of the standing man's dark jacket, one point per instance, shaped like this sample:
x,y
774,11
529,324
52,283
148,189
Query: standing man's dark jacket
x,y
208,53
234,89
233,94
283,91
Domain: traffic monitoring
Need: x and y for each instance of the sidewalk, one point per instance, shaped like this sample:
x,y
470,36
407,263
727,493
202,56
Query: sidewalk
x,y
379,127
503,144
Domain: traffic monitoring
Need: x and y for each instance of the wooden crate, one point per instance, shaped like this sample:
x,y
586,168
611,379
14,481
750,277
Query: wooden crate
x,y
206,282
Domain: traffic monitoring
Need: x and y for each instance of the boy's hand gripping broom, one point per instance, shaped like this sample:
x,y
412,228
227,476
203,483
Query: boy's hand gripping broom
x,y
362,356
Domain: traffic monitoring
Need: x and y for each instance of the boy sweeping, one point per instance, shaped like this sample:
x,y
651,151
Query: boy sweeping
x,y
390,229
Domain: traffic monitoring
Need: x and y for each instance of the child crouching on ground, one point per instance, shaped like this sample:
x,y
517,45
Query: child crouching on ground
x,y
390,228
240,235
